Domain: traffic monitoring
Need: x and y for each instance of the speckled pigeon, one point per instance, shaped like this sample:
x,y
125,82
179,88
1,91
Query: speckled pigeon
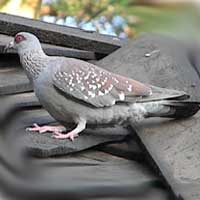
x,y
78,92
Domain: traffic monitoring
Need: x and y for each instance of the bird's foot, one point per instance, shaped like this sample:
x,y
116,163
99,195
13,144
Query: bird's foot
x,y
57,130
71,135
44,129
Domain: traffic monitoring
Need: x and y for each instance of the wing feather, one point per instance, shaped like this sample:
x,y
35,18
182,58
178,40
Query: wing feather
x,y
94,85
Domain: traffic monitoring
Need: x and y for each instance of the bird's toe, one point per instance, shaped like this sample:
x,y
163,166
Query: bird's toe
x,y
70,135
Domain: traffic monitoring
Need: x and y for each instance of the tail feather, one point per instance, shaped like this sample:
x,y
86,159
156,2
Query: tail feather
x,y
172,109
159,94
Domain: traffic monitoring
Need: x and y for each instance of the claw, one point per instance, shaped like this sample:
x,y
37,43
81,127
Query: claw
x,y
71,135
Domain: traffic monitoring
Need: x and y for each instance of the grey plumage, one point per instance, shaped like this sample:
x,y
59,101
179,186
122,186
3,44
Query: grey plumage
x,y
75,91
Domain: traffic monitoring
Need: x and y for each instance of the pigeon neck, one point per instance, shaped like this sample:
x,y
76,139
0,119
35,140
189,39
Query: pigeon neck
x,y
33,61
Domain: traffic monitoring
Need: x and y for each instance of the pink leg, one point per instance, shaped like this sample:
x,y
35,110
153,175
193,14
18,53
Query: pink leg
x,y
72,134
44,129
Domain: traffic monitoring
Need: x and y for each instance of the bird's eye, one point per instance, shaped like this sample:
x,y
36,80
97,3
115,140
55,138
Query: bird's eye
x,y
19,38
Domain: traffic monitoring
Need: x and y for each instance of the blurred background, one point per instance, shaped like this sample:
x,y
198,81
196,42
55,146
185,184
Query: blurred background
x,y
122,18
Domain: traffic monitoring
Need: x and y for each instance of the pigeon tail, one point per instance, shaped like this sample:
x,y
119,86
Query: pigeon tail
x,y
171,109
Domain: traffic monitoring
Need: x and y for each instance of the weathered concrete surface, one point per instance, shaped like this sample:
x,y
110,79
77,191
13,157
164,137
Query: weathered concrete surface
x,y
127,148
87,175
13,80
173,145
43,145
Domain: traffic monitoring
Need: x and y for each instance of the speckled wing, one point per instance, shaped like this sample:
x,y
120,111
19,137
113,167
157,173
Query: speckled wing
x,y
94,85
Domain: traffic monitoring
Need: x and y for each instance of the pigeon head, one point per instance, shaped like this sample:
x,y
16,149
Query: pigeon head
x,y
24,41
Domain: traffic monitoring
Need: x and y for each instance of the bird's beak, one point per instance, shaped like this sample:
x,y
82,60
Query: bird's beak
x,y
9,46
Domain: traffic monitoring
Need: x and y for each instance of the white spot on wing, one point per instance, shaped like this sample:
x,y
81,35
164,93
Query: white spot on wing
x,y
100,93
98,85
60,74
94,75
85,97
103,82
110,87
87,76
121,96
116,80
94,87
91,94
129,88
82,88
113,102
106,91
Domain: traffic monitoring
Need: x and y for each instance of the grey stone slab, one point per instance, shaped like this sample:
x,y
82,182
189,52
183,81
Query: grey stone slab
x,y
43,145
25,99
13,80
128,149
103,162
59,35
173,145
83,176
14,102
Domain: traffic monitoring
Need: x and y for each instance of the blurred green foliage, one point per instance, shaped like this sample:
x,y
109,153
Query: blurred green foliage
x,y
169,19
83,9
178,19
3,2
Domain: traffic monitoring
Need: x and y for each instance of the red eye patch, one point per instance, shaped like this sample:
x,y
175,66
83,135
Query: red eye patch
x,y
19,38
